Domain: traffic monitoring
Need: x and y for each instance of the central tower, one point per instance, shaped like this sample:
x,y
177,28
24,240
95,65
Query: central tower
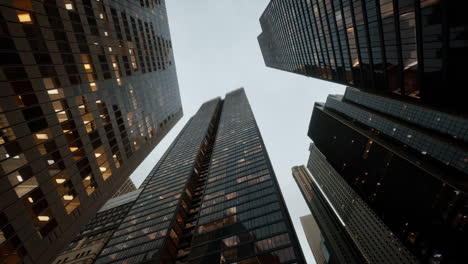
x,y
212,198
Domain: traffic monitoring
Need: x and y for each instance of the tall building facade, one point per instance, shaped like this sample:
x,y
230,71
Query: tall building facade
x,y
407,164
88,89
212,198
411,49
352,232
315,239
87,244
127,187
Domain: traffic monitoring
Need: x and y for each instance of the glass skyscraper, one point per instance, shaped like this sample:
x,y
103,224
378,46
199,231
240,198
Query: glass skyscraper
x,y
401,169
394,146
88,89
87,244
409,48
212,198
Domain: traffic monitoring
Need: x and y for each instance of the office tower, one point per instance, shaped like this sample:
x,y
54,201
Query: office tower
x,y
212,198
411,49
352,233
315,239
87,244
127,187
88,89
406,163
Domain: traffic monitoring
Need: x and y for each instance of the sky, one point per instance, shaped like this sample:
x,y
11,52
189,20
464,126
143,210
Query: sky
x,y
216,51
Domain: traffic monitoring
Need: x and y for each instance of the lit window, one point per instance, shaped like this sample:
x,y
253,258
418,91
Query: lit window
x,y
50,162
24,18
30,200
93,86
26,187
87,66
60,181
355,63
72,205
42,136
102,169
20,179
97,155
114,65
72,149
43,218
68,197
62,116
106,34
232,210
69,6
53,91
110,49
101,15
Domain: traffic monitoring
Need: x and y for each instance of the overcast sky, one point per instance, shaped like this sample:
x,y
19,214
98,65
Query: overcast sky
x,y
216,51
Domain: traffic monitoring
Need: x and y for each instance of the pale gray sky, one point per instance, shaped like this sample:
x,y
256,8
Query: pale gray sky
x,y
216,51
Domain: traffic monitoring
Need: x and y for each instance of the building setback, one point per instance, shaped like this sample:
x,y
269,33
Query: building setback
x,y
212,198
85,246
127,187
88,89
411,49
407,164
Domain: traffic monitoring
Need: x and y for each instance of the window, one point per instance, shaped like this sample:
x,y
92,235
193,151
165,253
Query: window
x,y
230,241
32,113
272,242
72,205
26,100
22,87
24,17
37,125
10,58
25,186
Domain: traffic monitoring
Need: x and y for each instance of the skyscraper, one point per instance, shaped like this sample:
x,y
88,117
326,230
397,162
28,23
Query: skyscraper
x,y
411,49
352,232
87,244
404,163
212,198
88,89
315,239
